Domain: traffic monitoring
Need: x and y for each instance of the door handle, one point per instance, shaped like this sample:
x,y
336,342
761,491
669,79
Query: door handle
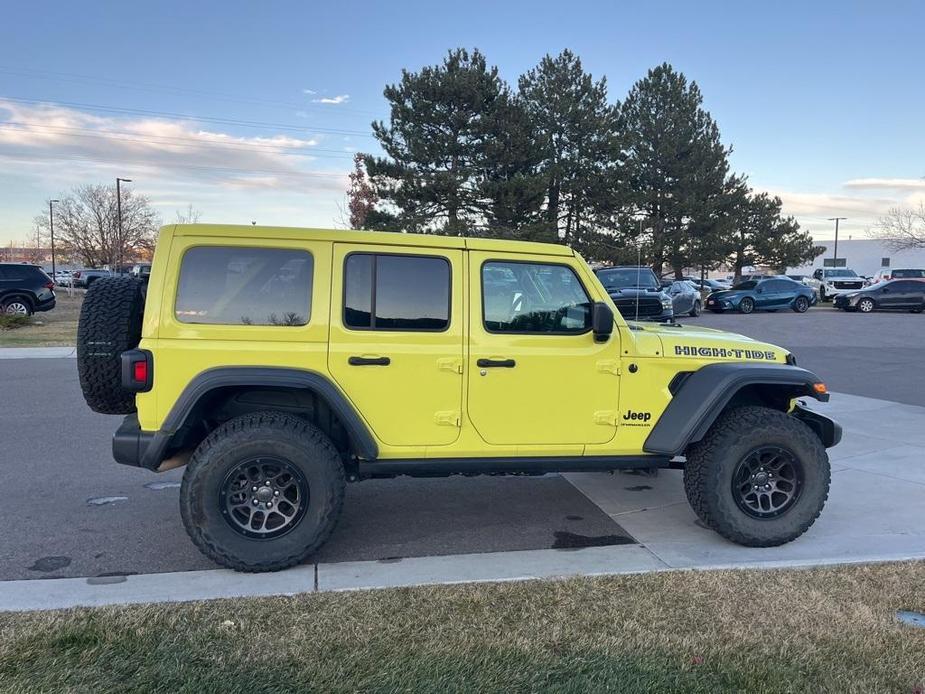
x,y
369,361
496,363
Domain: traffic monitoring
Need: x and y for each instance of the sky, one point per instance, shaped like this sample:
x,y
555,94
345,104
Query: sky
x,y
252,111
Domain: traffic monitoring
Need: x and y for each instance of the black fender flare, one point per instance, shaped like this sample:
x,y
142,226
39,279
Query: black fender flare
x,y
361,439
703,395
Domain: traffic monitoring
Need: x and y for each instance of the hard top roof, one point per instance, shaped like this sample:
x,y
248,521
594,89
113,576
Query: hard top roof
x,y
245,231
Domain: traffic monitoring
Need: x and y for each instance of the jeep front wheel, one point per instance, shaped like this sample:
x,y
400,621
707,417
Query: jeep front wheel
x,y
759,477
262,492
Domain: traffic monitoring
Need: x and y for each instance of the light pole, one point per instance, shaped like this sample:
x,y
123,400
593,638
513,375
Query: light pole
x,y
836,219
119,213
51,228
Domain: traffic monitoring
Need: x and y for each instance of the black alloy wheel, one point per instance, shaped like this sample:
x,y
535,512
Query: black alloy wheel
x,y
263,498
767,482
801,304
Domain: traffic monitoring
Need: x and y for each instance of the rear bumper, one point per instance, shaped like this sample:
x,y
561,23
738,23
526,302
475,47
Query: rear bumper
x,y
46,305
136,448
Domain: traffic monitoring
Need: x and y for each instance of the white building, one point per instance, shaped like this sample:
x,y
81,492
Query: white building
x,y
865,257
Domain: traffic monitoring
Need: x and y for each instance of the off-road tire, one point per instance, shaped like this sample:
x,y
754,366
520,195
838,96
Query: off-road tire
x,y
712,461
801,304
282,436
110,323
747,305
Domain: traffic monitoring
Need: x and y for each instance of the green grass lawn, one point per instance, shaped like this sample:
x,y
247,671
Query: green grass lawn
x,y
830,629
57,327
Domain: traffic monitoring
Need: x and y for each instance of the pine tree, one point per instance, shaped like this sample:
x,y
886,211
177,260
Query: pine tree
x,y
575,131
763,236
442,131
676,168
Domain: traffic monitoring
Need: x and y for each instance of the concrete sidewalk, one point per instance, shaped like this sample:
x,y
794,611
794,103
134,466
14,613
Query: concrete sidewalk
x,y
38,352
874,511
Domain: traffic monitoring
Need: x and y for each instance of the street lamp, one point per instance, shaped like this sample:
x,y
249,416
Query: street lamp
x,y
835,219
51,228
119,212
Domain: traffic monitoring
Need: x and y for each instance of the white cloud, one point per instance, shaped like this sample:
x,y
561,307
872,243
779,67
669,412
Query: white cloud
x,y
898,184
47,135
310,92
48,149
339,99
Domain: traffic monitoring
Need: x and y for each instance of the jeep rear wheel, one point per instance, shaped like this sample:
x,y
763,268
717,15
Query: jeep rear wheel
x,y
262,492
759,477
110,323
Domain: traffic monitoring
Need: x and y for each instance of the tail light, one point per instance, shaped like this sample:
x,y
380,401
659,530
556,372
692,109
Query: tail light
x,y
49,285
137,370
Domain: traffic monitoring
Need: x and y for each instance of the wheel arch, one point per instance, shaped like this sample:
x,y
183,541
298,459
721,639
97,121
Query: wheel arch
x,y
19,294
223,393
701,397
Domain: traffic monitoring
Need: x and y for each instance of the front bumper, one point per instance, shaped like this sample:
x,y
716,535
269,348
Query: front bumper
x,y
828,430
833,291
720,304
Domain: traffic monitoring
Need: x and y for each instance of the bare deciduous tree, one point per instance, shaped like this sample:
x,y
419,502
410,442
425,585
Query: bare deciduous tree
x,y
86,224
188,216
902,228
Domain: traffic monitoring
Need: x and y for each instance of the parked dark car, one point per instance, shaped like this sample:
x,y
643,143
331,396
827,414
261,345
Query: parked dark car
x,y
636,292
770,294
25,289
685,298
896,295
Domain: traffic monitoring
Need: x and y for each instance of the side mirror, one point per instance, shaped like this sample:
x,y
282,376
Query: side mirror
x,y
601,321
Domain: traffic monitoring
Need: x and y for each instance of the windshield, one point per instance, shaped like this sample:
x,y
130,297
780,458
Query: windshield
x,y
840,273
620,278
908,273
750,284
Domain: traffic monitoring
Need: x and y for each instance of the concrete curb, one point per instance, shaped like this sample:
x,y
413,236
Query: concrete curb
x,y
38,352
496,567
184,586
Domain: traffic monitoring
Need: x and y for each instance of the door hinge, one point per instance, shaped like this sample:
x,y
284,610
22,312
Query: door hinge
x,y
609,366
606,417
447,418
450,364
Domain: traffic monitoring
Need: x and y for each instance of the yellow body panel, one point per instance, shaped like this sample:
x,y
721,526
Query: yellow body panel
x,y
568,394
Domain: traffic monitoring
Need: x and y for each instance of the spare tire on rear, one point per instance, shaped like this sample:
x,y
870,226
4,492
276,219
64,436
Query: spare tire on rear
x,y
110,323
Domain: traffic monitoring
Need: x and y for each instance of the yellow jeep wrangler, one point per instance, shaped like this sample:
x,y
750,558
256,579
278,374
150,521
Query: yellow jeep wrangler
x,y
278,364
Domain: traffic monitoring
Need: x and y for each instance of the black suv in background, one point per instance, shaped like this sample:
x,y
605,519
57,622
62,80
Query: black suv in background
x,y
636,292
25,289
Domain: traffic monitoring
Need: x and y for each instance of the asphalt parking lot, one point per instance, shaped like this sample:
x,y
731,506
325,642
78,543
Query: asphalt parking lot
x,y
70,511
878,355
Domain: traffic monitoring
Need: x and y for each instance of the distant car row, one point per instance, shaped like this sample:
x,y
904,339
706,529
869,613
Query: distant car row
x,y
84,277
639,295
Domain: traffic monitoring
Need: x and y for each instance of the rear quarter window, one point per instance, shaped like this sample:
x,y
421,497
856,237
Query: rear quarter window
x,y
245,286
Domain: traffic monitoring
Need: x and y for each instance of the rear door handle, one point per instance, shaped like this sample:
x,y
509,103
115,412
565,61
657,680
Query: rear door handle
x,y
496,363
369,361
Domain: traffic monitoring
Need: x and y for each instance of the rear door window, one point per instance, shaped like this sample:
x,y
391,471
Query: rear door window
x,y
245,286
396,292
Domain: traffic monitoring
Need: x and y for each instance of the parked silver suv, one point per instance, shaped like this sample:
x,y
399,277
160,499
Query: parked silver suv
x,y
831,281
